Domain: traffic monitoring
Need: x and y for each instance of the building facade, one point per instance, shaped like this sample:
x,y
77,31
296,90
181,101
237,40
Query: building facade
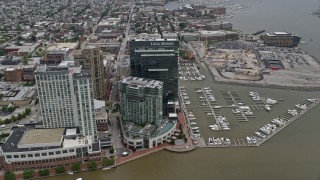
x,y
281,39
141,100
30,148
66,98
91,58
157,59
13,74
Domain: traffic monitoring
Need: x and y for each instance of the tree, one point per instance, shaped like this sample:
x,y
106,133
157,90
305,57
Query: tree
x,y
2,52
108,161
92,165
13,118
60,170
27,174
19,117
33,38
44,172
111,150
9,176
76,166
182,25
27,111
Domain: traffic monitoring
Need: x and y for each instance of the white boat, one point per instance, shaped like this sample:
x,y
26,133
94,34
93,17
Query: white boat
x,y
256,98
248,113
254,140
206,88
249,140
252,93
228,141
195,128
271,101
312,100
209,114
193,123
106,168
70,173
244,107
198,91
267,107
204,104
301,106
293,112
219,141
210,142
196,131
79,178
215,141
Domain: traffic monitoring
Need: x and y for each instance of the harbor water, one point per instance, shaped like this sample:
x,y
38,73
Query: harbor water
x,y
291,154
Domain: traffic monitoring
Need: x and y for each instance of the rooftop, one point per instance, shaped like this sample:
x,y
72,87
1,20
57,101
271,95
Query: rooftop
x,y
62,47
37,136
136,82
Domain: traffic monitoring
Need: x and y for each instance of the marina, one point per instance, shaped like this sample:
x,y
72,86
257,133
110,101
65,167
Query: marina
x,y
269,130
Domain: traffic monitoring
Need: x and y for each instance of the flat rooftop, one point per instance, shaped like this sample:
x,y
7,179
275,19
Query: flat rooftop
x,y
62,46
37,136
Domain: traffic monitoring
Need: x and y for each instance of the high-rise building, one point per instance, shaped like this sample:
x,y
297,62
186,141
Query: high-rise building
x,y
66,99
157,59
91,58
141,100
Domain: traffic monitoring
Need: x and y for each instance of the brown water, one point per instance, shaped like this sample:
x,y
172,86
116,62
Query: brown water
x,y
291,154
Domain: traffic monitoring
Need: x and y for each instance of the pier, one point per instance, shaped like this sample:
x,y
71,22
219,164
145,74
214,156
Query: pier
x,y
289,118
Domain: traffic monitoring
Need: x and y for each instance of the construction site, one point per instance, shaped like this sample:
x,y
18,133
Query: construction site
x,y
243,62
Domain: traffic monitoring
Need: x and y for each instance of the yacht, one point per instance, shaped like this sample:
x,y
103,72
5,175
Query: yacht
x,y
312,100
219,141
79,178
198,91
256,98
267,107
248,113
210,142
228,141
271,101
204,104
254,140
214,127
209,114
195,128
249,140
206,88
252,93
301,106
293,112
193,123
215,141
196,131
258,134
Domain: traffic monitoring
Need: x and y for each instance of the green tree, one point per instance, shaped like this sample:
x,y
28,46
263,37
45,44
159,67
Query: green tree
x,y
9,176
111,150
33,38
27,174
92,165
44,172
13,118
2,52
182,25
60,170
19,117
76,166
27,111
4,108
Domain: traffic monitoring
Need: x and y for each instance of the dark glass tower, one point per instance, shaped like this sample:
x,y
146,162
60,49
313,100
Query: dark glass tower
x,y
157,59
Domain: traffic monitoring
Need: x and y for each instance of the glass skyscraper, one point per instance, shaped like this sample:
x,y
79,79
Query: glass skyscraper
x,y
157,59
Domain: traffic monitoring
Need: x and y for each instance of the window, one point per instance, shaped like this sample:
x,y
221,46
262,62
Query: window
x,y
9,156
50,153
37,154
30,155
71,150
65,151
23,156
15,156
44,154
58,152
